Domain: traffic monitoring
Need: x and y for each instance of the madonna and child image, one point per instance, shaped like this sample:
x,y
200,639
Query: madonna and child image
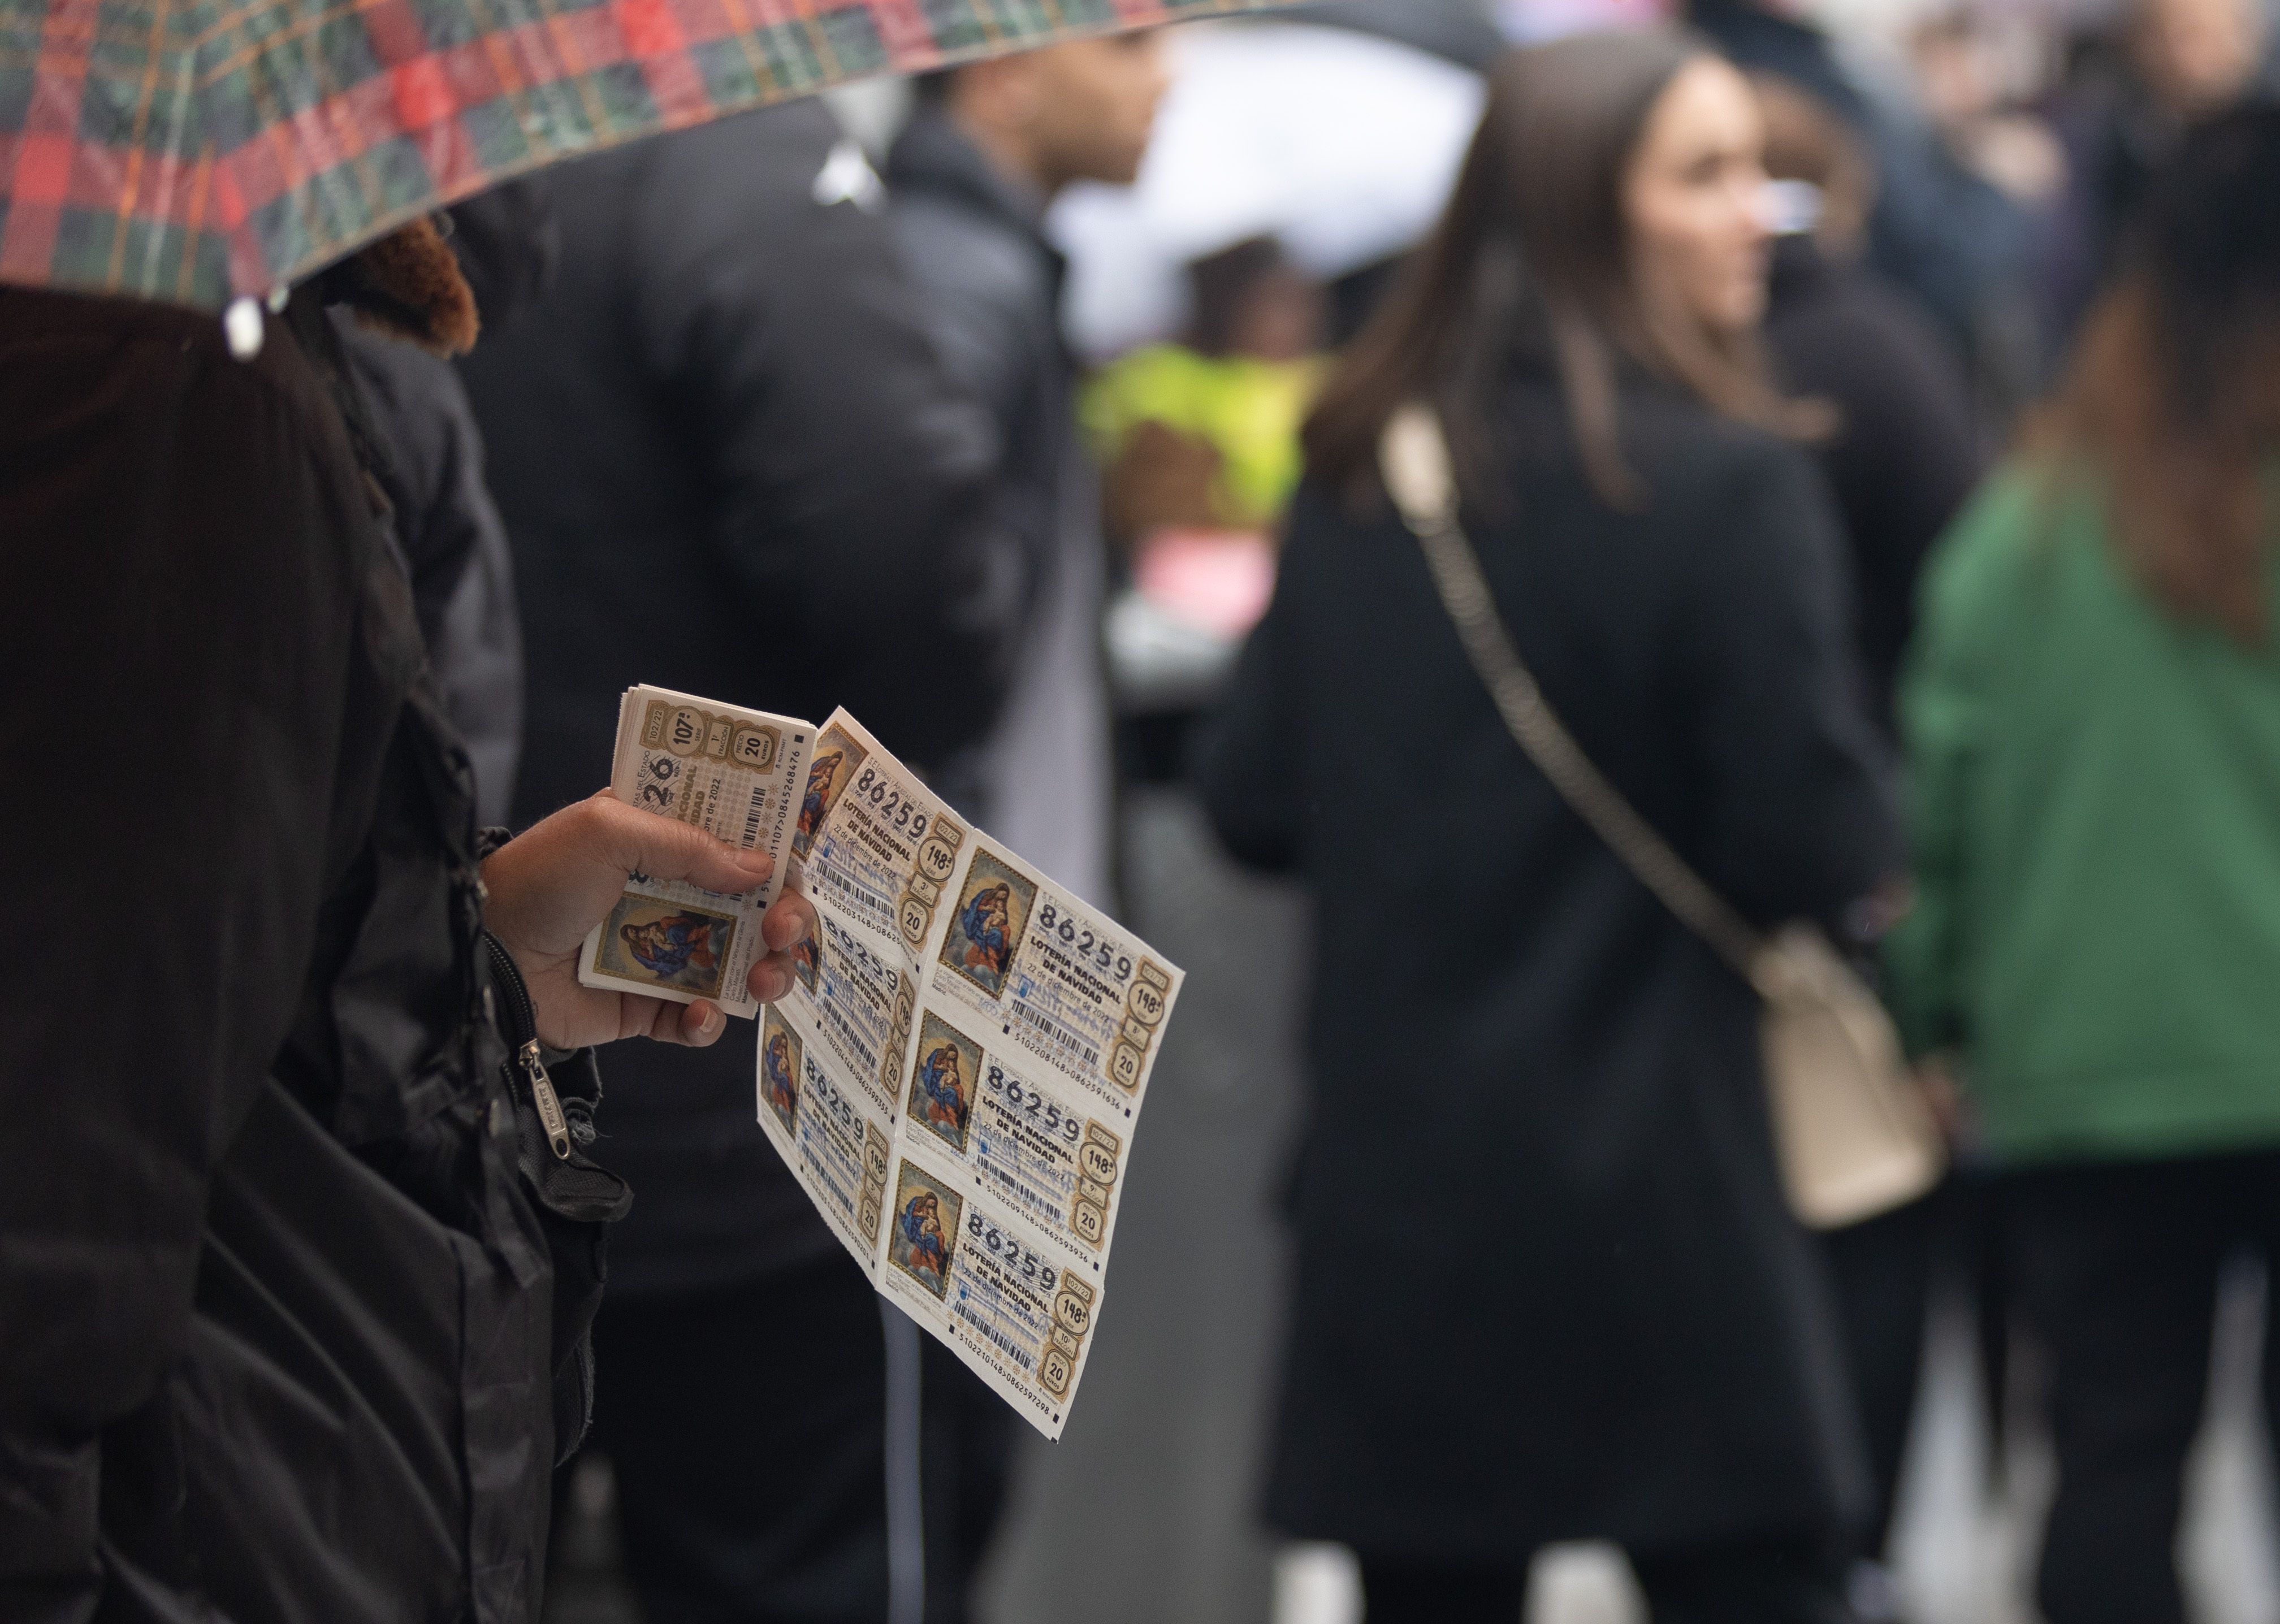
x,y
942,1081
993,909
780,1062
837,757
925,1228
666,944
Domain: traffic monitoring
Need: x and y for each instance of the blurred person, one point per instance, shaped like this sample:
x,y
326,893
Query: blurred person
x,y
1940,229
987,148
2092,718
295,1292
2179,60
1903,453
1548,1284
1972,75
732,463
1202,433
1901,459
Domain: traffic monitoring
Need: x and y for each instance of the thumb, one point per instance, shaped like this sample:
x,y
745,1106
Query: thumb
x,y
631,841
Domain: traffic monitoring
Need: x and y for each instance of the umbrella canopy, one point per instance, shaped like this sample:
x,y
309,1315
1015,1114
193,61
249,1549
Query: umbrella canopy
x,y
195,150
1341,145
1457,31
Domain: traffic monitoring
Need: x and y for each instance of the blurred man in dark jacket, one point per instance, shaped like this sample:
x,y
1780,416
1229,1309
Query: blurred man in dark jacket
x,y
986,149
732,463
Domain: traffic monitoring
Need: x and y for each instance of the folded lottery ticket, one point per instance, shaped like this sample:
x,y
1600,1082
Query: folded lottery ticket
x,y
734,774
957,1072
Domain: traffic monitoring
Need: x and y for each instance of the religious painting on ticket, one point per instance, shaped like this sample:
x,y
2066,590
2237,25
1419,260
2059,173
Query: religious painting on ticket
x,y
993,911
837,756
925,1220
779,1064
667,944
807,960
942,1081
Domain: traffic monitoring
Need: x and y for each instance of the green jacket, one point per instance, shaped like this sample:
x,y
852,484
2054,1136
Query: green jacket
x,y
2096,814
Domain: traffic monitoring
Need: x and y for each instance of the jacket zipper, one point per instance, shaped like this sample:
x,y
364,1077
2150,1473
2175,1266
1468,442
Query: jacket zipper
x,y
527,1056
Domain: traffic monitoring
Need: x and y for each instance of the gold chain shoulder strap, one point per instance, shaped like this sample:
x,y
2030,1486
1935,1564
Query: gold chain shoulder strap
x,y
1413,456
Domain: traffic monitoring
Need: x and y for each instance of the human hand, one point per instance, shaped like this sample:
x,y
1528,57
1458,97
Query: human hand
x,y
551,885
1944,1096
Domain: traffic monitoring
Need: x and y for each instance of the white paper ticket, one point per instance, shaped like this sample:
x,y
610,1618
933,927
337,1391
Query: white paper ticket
x,y
1017,1304
1061,984
1019,1130
874,844
994,1036
831,1132
1002,1068
957,1073
857,1000
732,773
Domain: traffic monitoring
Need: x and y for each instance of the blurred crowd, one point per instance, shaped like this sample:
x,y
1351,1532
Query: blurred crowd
x,y
1867,423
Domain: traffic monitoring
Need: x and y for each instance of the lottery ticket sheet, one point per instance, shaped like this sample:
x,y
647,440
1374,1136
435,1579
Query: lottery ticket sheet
x,y
734,774
957,1073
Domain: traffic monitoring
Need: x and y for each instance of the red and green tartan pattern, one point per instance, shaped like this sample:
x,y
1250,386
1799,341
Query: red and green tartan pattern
x,y
194,149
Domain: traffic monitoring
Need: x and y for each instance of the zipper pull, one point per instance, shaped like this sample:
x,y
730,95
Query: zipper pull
x,y
548,1103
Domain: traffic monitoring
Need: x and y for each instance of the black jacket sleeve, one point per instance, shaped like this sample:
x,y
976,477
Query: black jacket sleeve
x,y
1803,819
1903,456
175,648
989,315
854,475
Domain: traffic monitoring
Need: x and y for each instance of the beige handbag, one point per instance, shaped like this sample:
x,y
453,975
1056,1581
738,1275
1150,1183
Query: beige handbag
x,y
1854,1134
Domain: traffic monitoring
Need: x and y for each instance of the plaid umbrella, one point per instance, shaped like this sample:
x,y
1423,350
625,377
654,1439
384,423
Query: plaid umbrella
x,y
194,149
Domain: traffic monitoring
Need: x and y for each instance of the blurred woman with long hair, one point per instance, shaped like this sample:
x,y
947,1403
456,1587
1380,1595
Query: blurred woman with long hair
x,y
2092,717
1547,1285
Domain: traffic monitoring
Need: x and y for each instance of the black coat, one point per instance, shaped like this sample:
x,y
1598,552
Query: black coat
x,y
1547,1287
1905,453
731,462
275,1337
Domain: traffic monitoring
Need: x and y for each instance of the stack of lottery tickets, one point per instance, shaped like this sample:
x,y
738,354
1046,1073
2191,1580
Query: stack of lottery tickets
x,y
956,1074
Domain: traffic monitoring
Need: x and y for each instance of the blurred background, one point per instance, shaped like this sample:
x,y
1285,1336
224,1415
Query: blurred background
x,y
1974,159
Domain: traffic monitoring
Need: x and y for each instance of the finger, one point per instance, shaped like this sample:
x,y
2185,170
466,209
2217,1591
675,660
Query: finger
x,y
661,1020
667,848
791,918
701,1024
770,980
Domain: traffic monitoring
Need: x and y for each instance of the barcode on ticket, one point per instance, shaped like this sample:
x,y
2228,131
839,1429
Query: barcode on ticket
x,y
876,904
1066,1042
